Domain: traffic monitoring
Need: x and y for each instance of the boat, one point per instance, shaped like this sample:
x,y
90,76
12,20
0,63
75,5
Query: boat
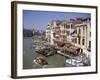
x,y
40,61
47,51
74,62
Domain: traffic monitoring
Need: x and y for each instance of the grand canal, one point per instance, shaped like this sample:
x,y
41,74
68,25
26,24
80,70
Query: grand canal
x,y
56,60
29,55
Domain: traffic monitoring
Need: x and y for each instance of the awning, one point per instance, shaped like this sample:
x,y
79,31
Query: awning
x,y
60,44
71,48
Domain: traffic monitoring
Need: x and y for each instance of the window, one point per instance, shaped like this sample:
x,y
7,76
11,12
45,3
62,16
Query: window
x,y
67,26
75,40
89,44
90,34
79,40
83,29
83,41
79,31
68,32
71,26
54,34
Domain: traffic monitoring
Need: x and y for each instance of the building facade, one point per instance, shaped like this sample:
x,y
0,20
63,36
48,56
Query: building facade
x,y
76,31
82,35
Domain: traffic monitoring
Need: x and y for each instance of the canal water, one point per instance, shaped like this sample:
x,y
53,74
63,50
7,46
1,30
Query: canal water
x,y
28,51
29,55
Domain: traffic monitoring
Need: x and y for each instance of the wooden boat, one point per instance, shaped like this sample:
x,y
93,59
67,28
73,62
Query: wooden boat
x,y
40,60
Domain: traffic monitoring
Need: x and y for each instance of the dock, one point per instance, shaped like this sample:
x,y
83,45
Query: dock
x,y
72,61
63,54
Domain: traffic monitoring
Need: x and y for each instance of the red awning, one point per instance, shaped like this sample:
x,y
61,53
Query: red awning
x,y
71,48
60,44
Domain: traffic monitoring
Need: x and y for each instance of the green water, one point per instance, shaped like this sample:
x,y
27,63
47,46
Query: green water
x,y
29,55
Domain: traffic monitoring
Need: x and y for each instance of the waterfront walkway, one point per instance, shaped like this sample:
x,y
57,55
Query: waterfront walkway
x,y
73,61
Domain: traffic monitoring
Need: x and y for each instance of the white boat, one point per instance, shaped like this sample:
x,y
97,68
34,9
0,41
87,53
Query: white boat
x,y
74,62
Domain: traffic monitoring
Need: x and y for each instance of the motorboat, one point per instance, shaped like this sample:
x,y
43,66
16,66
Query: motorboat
x,y
40,61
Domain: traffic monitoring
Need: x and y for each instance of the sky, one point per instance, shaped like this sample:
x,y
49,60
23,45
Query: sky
x,y
39,19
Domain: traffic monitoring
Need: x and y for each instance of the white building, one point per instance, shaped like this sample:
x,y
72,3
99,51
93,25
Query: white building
x,y
77,32
51,31
82,35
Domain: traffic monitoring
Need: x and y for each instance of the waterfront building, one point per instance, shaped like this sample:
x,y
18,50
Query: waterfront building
x,y
75,31
82,35
53,32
